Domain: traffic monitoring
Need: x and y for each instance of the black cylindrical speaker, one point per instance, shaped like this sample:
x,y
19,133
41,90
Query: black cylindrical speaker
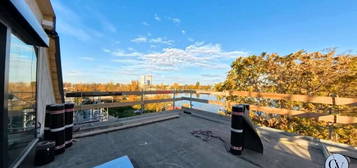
x,y
69,109
57,126
237,130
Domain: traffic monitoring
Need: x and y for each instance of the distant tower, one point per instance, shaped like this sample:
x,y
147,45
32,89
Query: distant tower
x,y
142,81
145,80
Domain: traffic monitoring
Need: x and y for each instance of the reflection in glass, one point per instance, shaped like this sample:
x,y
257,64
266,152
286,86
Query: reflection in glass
x,y
22,97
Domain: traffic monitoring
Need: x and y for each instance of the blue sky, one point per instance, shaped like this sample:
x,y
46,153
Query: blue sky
x,y
187,41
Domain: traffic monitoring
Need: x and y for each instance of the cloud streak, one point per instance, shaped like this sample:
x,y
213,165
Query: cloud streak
x,y
72,24
175,20
157,18
197,55
158,40
145,23
87,58
139,40
122,53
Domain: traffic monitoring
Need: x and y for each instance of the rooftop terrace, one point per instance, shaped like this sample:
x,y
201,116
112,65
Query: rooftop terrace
x,y
164,139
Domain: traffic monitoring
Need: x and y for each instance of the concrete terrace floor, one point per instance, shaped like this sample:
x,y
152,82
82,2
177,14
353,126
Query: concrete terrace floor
x,y
170,143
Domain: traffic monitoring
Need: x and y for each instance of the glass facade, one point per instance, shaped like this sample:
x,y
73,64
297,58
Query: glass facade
x,y
21,97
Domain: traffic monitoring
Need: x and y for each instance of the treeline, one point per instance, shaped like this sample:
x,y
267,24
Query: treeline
x,y
316,73
132,86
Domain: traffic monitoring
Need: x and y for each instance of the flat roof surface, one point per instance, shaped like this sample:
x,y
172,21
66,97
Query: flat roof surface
x,y
170,143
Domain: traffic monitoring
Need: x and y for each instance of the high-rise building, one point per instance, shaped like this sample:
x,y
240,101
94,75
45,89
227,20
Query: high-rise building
x,y
145,80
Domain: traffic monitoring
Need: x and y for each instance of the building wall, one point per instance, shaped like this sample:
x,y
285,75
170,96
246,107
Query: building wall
x,y
53,63
35,9
16,18
46,79
145,80
45,94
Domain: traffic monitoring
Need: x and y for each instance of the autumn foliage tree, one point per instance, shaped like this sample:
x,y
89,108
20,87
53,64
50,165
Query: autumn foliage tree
x,y
317,73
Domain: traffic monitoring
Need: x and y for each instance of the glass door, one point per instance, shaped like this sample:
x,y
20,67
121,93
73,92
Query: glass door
x,y
21,97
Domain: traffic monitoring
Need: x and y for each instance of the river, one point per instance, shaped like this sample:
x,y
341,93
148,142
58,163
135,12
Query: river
x,y
201,106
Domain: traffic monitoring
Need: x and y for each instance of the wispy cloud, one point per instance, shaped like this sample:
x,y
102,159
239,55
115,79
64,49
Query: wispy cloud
x,y
139,40
73,23
197,55
74,73
108,26
157,40
122,53
212,75
157,18
87,58
145,23
160,40
190,39
64,23
129,65
127,61
96,75
103,20
70,23
106,50
183,32
175,20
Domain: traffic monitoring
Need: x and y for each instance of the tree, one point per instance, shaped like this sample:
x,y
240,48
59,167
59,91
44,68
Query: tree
x,y
175,86
316,73
197,86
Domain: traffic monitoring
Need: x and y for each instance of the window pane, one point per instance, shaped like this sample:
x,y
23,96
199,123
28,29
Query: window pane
x,y
22,97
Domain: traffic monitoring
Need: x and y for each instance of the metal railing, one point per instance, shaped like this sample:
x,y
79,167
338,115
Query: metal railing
x,y
84,112
331,117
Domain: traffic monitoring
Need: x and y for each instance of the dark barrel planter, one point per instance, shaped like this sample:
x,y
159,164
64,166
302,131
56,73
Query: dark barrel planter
x,y
237,129
69,109
55,126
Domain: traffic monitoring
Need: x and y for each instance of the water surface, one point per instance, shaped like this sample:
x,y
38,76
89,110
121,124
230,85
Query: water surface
x,y
201,106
